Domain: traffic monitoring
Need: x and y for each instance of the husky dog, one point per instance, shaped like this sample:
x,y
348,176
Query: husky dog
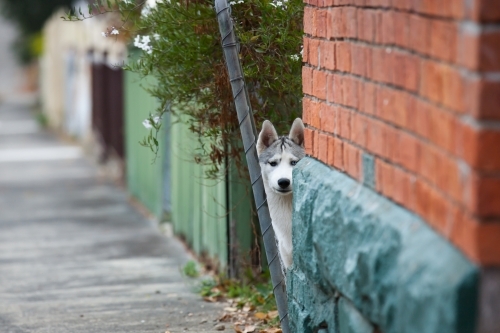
x,y
277,157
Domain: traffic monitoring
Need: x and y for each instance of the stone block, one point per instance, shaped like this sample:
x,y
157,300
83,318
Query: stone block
x,y
394,269
350,320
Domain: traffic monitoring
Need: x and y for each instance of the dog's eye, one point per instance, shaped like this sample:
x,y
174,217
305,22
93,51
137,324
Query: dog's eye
x,y
273,164
293,163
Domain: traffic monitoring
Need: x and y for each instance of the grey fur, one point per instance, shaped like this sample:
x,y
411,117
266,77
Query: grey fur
x,y
278,146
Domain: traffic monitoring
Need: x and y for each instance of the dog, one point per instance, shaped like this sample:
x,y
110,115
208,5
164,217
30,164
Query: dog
x,y
277,157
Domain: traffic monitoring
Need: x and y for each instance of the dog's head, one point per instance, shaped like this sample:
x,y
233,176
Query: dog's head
x,y
278,155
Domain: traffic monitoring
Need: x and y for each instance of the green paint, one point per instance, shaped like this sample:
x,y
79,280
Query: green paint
x,y
396,272
144,178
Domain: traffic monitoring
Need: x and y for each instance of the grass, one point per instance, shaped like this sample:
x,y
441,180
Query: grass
x,y
253,291
191,269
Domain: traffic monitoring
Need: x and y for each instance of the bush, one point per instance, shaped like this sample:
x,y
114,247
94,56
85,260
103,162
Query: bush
x,y
181,47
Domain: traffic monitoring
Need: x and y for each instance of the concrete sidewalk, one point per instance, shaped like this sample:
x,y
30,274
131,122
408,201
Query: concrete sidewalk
x,y
74,255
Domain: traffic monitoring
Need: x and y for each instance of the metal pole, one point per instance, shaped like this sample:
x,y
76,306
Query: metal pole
x,y
249,135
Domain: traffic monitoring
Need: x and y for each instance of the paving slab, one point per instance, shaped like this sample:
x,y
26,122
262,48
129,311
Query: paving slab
x,y
75,256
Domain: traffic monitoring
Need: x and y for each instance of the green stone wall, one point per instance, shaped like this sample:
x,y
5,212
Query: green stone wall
x,y
364,264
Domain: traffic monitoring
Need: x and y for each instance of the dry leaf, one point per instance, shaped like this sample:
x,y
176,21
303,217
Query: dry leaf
x,y
260,315
271,330
230,309
249,329
272,314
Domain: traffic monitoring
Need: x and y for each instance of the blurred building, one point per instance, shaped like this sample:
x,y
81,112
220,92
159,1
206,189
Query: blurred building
x,y
80,80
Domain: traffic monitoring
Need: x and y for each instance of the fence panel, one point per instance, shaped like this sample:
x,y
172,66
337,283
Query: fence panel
x,y
144,178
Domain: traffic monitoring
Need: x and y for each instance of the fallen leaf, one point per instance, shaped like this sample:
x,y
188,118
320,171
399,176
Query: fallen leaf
x,y
271,330
272,314
260,315
230,309
249,329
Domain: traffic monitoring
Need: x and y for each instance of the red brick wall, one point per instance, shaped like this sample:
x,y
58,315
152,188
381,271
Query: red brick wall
x,y
415,84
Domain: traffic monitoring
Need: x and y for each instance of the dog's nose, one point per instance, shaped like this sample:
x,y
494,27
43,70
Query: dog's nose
x,y
284,183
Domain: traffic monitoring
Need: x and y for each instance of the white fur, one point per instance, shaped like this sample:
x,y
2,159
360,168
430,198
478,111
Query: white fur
x,y
279,199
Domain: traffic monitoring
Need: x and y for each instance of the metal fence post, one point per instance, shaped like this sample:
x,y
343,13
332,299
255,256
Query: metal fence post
x,y
248,130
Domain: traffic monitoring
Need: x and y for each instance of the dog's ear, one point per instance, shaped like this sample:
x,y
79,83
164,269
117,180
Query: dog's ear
x,y
297,132
267,136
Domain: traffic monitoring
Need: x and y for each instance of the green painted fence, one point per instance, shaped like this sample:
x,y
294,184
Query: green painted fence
x,y
213,216
144,178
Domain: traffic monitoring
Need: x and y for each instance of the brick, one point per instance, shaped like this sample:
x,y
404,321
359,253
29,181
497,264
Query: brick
x,y
335,88
387,27
378,3
315,143
331,150
305,50
349,15
422,198
483,10
403,192
428,162
401,29
358,59
366,24
343,56
338,155
443,40
352,161
321,23
384,178
328,116
369,97
448,177
408,151
381,69
488,101
402,4
309,13
359,126
479,147
489,51
431,206
468,49
350,92
307,80
323,148
335,23
442,84
327,55
484,196
419,33
389,141
313,55
315,114
422,118
319,84
442,128
308,141
306,110
374,138
479,241
392,106
345,123
406,70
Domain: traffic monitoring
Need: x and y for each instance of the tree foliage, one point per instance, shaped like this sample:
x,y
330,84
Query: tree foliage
x,y
181,47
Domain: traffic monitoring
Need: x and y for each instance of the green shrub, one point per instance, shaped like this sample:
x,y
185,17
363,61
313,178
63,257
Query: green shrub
x,y
181,47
